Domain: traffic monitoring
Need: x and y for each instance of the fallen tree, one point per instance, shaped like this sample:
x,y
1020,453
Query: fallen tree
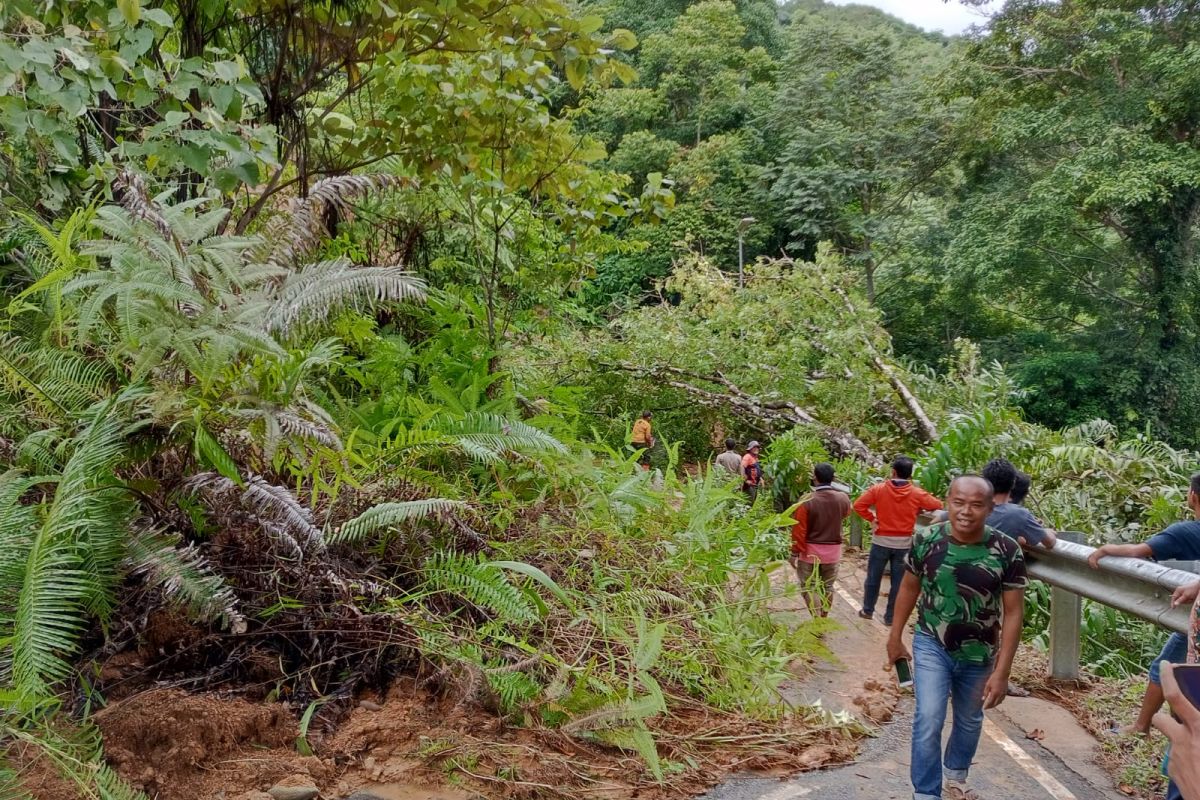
x,y
773,416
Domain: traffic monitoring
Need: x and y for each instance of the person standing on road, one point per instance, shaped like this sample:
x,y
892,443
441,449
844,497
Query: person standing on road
x,y
960,576
817,540
751,471
896,504
1009,516
731,459
642,439
1180,541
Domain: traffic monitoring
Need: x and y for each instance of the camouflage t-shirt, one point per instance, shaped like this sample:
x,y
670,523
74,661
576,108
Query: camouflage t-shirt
x,y
961,587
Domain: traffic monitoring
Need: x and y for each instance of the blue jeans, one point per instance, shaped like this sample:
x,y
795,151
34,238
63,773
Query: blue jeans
x,y
878,559
1173,652
938,678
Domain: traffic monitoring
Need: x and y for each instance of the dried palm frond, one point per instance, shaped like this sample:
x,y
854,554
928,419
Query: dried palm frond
x,y
184,575
280,514
135,197
299,231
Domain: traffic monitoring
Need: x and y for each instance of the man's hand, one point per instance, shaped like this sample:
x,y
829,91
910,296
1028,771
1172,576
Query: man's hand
x,y
1099,553
874,527
1184,766
1185,594
995,690
896,651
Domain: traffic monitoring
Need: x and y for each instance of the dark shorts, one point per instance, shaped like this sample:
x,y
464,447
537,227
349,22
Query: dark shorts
x,y
643,455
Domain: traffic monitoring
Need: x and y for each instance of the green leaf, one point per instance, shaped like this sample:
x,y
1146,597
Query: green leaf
x,y
131,10
212,454
159,17
530,571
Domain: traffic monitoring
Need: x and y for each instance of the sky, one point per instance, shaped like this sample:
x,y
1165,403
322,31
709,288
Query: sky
x,y
934,15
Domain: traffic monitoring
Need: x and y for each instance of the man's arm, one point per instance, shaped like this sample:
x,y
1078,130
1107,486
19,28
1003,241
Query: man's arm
x,y
996,688
862,506
800,531
1140,550
906,601
928,502
1035,533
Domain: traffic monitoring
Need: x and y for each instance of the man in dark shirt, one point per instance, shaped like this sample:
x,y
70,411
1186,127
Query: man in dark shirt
x,y
817,540
1009,517
1181,542
963,574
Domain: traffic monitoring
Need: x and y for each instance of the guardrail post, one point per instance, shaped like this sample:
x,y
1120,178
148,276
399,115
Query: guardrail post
x,y
856,528
1066,611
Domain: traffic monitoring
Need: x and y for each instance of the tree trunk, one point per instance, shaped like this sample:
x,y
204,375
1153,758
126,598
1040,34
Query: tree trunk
x,y
925,425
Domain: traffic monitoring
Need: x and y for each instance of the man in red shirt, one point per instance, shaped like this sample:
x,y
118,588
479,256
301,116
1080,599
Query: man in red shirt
x,y
751,471
817,540
896,503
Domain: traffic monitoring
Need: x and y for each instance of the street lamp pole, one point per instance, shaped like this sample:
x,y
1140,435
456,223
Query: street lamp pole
x,y
743,224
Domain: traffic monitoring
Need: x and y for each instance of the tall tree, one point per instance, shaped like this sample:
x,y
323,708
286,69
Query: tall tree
x,y
1083,166
857,134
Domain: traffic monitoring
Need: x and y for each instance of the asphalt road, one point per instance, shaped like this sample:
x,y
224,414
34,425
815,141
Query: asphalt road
x,y
1008,765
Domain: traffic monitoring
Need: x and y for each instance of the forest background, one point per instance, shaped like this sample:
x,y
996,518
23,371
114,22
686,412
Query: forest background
x,y
335,316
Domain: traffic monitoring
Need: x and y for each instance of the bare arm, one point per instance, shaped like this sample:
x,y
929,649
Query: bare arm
x,y
1141,550
906,601
996,688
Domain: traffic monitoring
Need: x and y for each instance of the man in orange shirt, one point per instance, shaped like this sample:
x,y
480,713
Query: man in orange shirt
x,y
817,540
896,503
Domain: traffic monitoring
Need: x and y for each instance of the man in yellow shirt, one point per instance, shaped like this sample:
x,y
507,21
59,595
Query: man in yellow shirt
x,y
643,439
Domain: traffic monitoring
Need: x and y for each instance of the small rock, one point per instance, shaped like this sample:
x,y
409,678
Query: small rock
x,y
369,705
294,792
587,553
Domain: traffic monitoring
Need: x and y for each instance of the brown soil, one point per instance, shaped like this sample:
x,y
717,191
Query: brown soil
x,y
177,746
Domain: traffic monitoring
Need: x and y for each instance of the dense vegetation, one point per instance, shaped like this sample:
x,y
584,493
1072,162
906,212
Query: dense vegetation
x,y
323,324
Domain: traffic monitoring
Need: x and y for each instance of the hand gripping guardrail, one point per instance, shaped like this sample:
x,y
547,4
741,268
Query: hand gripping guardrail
x,y
1137,587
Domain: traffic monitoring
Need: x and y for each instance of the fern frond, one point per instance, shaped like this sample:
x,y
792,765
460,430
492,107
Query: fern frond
x,y
184,576
482,436
484,585
78,758
389,515
280,513
299,231
135,197
312,293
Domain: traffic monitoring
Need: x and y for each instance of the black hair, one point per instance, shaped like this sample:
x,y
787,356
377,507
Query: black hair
x,y
823,472
1001,474
730,444
645,415
1195,483
903,467
1020,488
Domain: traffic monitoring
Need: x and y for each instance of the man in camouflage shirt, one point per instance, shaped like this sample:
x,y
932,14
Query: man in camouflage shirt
x,y
959,575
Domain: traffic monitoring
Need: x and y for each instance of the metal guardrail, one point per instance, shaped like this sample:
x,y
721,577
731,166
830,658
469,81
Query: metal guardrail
x,y
1137,587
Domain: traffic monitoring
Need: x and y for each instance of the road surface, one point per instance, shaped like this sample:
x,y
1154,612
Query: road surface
x,y
1008,766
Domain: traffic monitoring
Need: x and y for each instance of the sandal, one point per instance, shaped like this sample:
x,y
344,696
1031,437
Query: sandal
x,y
957,790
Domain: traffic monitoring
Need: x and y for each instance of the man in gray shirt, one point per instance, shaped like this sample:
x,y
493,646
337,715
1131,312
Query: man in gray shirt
x,y
1009,517
731,459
